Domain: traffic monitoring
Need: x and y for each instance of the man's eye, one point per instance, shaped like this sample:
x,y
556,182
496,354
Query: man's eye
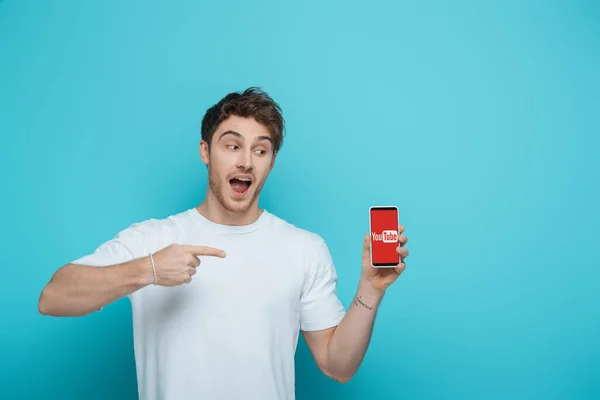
x,y
261,152
231,145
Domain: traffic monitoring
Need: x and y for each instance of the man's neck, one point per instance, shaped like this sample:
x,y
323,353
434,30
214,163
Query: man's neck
x,y
212,210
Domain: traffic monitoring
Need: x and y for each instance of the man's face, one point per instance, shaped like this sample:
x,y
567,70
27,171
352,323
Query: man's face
x,y
240,159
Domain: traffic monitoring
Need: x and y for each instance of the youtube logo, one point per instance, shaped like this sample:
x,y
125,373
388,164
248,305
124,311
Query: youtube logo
x,y
385,236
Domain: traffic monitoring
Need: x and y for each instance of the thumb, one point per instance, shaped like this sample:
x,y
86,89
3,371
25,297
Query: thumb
x,y
366,246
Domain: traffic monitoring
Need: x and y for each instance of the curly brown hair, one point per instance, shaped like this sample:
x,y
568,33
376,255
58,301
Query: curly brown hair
x,y
252,102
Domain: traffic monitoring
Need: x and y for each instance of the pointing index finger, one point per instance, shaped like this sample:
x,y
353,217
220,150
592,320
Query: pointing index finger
x,y
205,251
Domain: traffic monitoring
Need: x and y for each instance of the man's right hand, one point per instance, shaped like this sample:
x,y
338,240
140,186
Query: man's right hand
x,y
176,263
76,290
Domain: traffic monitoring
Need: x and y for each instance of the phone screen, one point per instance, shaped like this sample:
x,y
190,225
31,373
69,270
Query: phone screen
x,y
384,236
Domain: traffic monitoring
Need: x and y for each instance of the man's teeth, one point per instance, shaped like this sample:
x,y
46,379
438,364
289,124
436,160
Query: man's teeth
x,y
243,179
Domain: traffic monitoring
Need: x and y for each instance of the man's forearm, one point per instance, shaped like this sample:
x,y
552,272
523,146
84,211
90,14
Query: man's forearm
x,y
349,342
77,290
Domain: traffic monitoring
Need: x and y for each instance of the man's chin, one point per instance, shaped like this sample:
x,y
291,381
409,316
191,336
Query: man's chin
x,y
236,204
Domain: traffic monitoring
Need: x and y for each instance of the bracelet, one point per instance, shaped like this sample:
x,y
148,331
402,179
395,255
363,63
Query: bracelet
x,y
153,269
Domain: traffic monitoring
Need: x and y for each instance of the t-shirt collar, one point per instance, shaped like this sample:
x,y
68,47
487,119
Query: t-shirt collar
x,y
229,229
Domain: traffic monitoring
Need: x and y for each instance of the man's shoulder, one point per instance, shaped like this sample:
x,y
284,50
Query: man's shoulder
x,y
157,225
304,245
289,231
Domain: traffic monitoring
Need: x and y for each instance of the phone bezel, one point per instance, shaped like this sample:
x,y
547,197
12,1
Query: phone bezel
x,y
381,265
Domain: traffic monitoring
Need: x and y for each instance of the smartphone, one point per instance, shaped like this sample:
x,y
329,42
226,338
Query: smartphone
x,y
384,236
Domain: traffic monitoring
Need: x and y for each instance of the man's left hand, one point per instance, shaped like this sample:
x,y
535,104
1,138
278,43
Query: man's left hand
x,y
381,278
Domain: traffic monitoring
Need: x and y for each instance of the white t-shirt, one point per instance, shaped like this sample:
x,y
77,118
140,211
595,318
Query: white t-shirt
x,y
232,332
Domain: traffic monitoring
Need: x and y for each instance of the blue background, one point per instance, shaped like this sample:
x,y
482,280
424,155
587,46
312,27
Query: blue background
x,y
479,120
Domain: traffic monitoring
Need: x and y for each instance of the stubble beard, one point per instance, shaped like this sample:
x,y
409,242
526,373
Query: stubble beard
x,y
221,192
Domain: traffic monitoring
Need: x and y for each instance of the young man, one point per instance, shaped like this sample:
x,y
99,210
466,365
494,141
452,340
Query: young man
x,y
220,292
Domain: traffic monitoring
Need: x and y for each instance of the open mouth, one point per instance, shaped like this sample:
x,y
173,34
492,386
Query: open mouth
x,y
240,185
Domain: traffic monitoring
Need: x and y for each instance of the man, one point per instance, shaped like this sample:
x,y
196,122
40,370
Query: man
x,y
220,292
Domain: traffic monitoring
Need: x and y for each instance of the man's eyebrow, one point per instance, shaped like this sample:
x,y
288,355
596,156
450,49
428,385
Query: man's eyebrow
x,y
234,133
259,138
238,135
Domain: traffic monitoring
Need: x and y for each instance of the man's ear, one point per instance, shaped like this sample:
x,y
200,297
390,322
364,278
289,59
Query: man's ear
x,y
204,153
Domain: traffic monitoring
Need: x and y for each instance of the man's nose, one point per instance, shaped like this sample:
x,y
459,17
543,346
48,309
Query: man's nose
x,y
245,159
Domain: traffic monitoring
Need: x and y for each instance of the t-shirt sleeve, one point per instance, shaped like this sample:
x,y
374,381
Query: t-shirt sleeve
x,y
119,249
320,306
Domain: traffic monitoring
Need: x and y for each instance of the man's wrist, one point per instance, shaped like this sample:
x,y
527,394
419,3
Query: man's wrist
x,y
143,275
367,296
